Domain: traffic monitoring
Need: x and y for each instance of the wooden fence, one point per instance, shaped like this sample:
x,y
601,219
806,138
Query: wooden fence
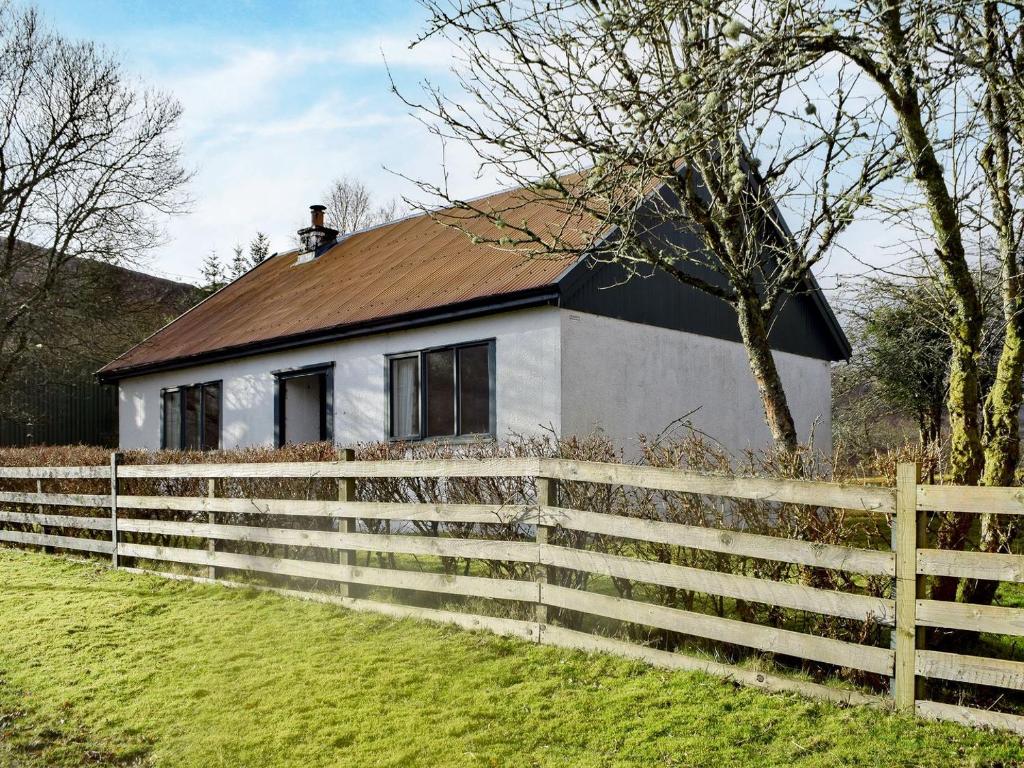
x,y
116,523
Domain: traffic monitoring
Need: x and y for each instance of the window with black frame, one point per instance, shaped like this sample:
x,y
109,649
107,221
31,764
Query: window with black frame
x,y
191,417
442,392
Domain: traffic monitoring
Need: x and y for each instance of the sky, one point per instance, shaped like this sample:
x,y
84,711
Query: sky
x,y
281,98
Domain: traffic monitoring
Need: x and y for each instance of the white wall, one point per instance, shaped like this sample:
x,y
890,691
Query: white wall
x,y
559,369
627,379
528,397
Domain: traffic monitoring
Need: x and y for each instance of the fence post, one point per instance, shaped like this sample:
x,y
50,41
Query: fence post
x,y
347,492
115,460
547,496
211,518
911,534
40,509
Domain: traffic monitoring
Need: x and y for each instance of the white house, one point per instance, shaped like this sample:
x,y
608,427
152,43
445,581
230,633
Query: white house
x,y
411,331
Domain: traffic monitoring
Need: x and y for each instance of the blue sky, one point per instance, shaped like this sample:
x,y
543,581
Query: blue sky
x,y
280,98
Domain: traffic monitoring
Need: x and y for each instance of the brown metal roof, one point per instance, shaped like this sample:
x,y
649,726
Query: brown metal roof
x,y
413,265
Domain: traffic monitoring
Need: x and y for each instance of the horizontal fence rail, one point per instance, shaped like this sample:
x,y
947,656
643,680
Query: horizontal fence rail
x,y
50,473
418,468
761,489
813,554
971,499
557,574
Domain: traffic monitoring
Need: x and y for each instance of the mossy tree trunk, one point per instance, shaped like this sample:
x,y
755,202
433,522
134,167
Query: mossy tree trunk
x,y
894,72
966,321
892,59
753,320
898,80
1001,413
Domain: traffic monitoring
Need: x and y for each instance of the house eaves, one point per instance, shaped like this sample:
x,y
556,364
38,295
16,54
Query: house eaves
x,y
535,297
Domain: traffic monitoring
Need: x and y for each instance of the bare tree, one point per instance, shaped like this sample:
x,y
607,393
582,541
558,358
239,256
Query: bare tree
x,y
351,206
951,76
86,162
642,118
989,43
574,85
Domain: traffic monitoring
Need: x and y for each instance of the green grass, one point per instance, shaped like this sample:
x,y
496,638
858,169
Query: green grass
x,y
106,668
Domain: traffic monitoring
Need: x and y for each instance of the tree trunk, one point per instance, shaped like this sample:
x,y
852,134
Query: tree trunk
x,y
963,397
754,332
965,324
1001,413
931,434
1002,451
1002,407
929,426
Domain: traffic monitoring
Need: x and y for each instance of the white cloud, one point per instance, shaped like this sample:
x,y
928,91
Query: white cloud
x,y
243,81
268,129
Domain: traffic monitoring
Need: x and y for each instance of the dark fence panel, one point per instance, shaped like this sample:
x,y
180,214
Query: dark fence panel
x,y
62,413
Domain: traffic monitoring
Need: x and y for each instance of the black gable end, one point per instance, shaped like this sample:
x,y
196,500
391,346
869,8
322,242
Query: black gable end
x,y
803,326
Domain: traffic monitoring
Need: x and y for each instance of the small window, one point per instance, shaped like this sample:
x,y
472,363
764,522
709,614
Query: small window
x,y
191,417
442,392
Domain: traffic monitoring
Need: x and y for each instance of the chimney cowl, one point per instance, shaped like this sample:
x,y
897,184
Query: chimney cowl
x,y
316,237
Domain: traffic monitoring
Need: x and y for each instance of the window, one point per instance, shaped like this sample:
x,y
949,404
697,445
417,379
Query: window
x,y
474,390
442,392
405,397
172,419
191,417
304,404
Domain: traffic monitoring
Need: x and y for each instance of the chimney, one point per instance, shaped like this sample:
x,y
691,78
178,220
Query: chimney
x,y
315,238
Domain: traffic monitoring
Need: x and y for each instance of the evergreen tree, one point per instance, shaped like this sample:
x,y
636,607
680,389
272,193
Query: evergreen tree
x,y
239,264
212,274
259,248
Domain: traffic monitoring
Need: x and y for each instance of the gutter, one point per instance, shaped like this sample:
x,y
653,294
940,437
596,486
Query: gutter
x,y
534,297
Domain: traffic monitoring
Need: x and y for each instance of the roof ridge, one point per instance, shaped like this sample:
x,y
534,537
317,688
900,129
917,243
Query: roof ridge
x,y
450,206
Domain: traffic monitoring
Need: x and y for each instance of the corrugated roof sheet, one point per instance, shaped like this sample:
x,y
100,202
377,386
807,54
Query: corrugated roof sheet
x,y
412,265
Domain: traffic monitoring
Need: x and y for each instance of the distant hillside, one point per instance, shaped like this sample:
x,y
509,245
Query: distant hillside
x,y
144,303
99,311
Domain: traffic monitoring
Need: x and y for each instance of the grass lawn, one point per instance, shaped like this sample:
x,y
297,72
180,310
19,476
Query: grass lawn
x,y
104,668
